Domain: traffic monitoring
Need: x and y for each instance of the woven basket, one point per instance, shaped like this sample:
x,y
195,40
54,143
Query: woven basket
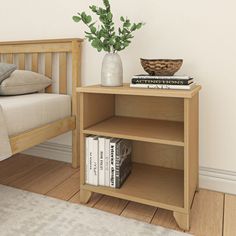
x,y
161,67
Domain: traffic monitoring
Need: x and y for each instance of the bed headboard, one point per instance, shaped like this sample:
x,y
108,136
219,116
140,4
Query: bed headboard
x,y
17,52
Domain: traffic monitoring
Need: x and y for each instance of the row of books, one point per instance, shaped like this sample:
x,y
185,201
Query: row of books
x,y
163,82
108,161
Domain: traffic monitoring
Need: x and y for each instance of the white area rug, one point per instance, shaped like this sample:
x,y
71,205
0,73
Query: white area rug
x,y
23,213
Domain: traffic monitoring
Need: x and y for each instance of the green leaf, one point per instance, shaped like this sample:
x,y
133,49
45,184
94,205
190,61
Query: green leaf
x,y
93,29
122,19
88,19
76,18
139,25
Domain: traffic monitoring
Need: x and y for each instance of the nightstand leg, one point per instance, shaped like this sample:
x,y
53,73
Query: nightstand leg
x,y
182,220
85,196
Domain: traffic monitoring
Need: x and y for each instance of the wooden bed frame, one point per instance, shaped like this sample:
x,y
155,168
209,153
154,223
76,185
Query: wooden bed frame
x,y
18,51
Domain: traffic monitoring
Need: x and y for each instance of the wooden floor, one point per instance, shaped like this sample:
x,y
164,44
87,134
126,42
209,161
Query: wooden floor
x,y
213,213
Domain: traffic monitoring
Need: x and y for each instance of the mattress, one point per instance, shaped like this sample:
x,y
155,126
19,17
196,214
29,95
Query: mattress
x,y
26,112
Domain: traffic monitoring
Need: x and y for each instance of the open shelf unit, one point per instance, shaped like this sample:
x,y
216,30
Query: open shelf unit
x,y
163,126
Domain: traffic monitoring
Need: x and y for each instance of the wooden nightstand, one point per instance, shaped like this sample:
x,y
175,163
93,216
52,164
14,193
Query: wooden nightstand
x,y
163,125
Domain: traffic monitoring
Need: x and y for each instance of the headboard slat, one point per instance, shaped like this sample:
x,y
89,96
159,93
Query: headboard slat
x,y
48,69
62,73
9,58
34,63
21,61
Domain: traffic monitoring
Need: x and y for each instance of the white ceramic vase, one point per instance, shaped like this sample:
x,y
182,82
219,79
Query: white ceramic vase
x,y
112,70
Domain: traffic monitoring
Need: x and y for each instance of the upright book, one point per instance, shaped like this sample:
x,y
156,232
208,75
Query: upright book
x,y
113,146
123,163
101,162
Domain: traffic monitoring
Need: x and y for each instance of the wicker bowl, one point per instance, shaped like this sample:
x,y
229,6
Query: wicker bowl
x,y
161,67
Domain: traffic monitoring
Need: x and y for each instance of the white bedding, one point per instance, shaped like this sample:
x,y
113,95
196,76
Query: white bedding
x,y
25,112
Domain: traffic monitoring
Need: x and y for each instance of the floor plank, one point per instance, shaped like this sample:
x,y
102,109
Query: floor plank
x,y
18,167
49,181
165,219
230,215
139,211
29,178
66,189
111,204
207,214
93,201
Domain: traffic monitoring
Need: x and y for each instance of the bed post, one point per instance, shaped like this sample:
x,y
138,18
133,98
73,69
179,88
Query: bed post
x,y
76,81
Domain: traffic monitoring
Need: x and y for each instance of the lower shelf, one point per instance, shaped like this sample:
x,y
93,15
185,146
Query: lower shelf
x,y
151,185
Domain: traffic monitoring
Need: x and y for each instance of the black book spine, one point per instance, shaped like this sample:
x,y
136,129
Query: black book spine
x,y
117,167
161,81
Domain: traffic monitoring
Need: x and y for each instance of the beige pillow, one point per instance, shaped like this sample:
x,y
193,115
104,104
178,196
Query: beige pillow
x,y
24,82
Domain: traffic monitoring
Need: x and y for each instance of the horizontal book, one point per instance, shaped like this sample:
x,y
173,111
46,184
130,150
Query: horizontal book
x,y
163,81
176,77
163,86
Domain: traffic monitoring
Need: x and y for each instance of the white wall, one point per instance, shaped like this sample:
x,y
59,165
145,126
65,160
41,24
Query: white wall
x,y
201,32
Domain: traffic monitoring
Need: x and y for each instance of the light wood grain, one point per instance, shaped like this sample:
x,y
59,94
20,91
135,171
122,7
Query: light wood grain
x,y
76,81
93,200
207,214
62,73
66,189
139,211
158,108
21,61
155,186
111,204
168,156
13,168
49,181
97,108
48,69
191,161
126,90
34,63
41,41
36,136
21,168
36,173
165,219
9,58
230,215
148,130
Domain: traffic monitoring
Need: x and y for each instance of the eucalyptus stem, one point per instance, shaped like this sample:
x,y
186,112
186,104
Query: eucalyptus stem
x,y
104,36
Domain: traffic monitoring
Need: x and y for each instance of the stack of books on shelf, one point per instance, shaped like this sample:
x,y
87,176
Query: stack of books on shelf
x,y
108,161
163,82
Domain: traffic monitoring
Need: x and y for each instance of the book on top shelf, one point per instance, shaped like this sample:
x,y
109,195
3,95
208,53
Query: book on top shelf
x,y
162,81
164,86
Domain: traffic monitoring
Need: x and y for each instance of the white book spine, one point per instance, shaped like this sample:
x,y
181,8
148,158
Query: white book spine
x,y
95,161
107,162
163,86
112,163
90,159
87,160
101,168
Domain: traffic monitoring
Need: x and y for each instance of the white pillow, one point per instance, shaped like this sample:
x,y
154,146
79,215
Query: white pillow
x,y
24,82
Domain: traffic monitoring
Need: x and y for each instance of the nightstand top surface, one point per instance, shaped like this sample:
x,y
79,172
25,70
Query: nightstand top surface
x,y
127,90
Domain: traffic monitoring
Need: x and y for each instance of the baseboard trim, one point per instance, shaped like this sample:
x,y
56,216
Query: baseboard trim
x,y
217,180
209,178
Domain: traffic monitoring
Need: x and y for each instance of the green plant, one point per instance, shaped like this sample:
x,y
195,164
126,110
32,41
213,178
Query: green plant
x,y
104,37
